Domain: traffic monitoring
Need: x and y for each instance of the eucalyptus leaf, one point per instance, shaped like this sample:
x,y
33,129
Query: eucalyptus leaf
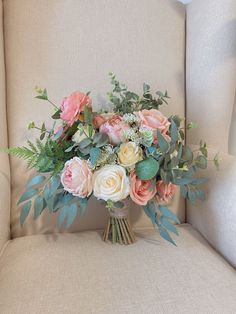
x,y
168,213
165,235
71,214
162,142
173,132
83,205
25,212
84,143
168,225
201,162
27,195
149,211
36,180
39,206
147,169
95,153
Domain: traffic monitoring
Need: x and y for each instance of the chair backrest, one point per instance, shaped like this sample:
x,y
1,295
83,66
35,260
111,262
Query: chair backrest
x,y
72,45
211,72
4,160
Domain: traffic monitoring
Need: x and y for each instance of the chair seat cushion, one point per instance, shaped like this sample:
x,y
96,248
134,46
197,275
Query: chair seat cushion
x,y
79,273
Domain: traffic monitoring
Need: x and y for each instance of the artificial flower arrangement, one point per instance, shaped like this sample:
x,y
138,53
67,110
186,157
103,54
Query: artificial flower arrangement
x,y
133,152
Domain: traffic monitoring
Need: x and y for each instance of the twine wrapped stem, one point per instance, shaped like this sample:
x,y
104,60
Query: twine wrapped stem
x,y
118,229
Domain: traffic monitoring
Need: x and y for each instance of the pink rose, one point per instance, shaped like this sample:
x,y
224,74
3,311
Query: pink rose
x,y
73,105
101,119
141,191
76,177
154,120
165,191
114,128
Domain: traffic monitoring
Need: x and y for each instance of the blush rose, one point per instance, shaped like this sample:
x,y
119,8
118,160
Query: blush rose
x,y
114,128
153,119
165,191
73,105
141,191
76,177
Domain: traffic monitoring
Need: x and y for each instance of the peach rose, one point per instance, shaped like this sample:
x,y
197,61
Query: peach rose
x,y
165,191
76,177
141,191
153,119
73,105
114,128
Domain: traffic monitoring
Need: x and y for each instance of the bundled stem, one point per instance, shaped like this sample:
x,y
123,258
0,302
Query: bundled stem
x,y
119,230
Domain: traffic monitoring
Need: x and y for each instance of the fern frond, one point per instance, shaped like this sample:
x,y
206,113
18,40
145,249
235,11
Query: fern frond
x,y
21,152
39,145
32,146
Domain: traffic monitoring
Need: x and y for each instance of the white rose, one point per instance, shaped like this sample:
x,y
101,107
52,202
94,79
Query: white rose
x,y
111,183
129,154
81,134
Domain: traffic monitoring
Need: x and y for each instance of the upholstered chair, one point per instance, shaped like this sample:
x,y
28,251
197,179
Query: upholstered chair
x,y
68,45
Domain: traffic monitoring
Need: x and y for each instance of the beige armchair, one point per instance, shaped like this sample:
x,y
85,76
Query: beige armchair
x,y
67,45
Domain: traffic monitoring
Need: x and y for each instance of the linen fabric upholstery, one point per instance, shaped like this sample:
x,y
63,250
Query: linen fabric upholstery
x,y
215,218
78,273
72,45
211,71
211,83
4,161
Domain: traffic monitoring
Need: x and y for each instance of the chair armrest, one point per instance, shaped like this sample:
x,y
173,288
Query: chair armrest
x,y
215,218
4,209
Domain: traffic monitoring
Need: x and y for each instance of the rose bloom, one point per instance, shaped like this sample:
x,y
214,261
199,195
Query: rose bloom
x,y
165,191
111,183
114,128
153,119
129,154
73,105
76,177
101,119
141,191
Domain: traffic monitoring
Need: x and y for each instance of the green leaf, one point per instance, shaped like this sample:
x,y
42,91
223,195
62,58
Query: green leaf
x,y
183,181
88,115
118,204
71,214
165,235
187,154
97,137
55,182
27,195
168,225
68,212
39,206
150,212
95,153
201,162
173,132
147,169
163,144
36,180
83,205
103,140
168,213
57,115
199,181
192,125
146,88
25,212
85,143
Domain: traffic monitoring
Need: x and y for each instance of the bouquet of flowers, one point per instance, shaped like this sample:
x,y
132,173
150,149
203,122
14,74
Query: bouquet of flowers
x,y
131,152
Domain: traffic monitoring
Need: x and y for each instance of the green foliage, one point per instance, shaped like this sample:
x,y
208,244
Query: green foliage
x,y
125,101
147,169
163,218
25,212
